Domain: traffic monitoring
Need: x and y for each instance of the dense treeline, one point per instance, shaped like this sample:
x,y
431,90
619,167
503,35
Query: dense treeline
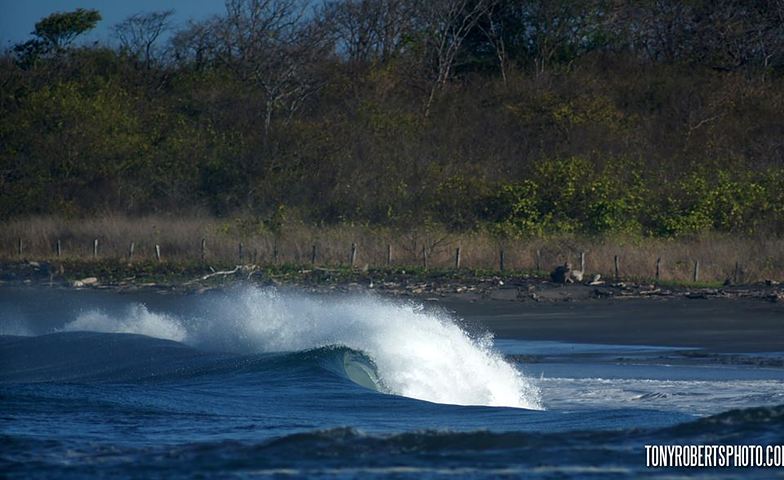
x,y
655,117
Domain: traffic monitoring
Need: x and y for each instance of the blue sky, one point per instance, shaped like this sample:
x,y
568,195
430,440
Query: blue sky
x,y
18,17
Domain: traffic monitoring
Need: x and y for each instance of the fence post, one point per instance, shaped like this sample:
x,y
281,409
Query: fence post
x,y
617,268
19,247
696,271
582,262
389,254
59,248
736,274
95,248
501,260
157,252
538,260
131,246
424,257
203,249
353,256
457,258
658,269
313,255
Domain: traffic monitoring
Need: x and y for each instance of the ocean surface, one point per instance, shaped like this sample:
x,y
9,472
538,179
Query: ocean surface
x,y
256,382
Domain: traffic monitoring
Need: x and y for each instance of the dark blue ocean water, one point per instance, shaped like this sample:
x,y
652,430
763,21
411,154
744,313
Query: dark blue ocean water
x,y
259,383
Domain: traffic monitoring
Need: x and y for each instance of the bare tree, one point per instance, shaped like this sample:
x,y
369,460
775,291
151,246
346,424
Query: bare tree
x,y
270,44
139,34
368,30
730,34
724,34
195,45
492,29
446,24
559,29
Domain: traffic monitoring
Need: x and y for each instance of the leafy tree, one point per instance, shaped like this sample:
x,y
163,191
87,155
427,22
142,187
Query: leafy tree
x,y
589,117
55,33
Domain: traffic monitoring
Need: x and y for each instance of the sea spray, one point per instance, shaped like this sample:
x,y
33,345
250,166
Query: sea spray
x,y
418,354
136,319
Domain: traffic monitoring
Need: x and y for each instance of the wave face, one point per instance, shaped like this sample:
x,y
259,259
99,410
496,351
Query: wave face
x,y
416,353
254,382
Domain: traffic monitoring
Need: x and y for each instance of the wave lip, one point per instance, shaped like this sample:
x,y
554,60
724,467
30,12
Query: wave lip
x,y
411,352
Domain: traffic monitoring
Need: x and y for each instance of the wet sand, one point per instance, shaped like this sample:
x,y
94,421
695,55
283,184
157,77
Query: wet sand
x,y
715,325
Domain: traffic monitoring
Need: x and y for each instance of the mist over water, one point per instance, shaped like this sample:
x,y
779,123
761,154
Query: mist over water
x,y
418,354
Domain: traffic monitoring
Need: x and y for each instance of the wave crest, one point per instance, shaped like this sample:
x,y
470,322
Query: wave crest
x,y
137,319
417,354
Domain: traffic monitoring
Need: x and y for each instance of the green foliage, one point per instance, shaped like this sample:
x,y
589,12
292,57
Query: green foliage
x,y
614,207
60,29
724,201
55,33
78,141
580,135
737,203
568,196
517,207
562,185
459,201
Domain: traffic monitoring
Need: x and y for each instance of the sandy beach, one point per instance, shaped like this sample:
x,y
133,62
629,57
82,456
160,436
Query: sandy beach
x,y
720,325
732,319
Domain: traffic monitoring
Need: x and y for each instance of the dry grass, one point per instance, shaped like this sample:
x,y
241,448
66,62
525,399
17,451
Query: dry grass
x,y
180,240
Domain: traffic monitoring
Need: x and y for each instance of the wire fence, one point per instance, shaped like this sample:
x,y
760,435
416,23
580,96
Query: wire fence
x,y
704,259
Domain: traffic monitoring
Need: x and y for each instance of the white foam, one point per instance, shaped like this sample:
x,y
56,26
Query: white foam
x,y
692,396
418,354
137,319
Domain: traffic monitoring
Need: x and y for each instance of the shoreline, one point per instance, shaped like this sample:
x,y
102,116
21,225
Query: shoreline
x,y
718,326
738,319
463,285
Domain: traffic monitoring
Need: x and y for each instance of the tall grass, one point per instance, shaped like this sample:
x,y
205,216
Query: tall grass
x,y
180,240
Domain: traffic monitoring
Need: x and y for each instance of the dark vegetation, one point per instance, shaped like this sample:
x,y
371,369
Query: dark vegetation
x,y
517,118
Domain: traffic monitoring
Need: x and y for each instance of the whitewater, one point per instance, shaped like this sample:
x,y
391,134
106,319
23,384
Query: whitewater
x,y
419,354
256,382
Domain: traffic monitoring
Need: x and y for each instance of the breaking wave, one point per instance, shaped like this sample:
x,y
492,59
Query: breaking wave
x,y
410,352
